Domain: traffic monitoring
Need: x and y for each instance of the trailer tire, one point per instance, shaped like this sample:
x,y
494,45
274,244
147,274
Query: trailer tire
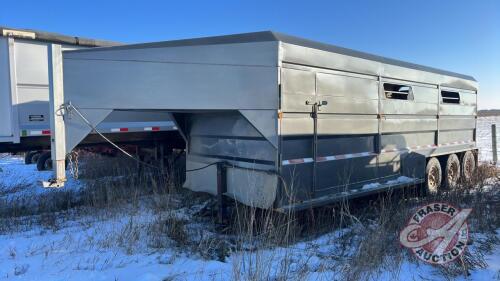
x,y
468,166
44,162
28,157
452,171
36,156
433,176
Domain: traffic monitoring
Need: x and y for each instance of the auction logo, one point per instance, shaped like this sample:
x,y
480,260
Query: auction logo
x,y
437,233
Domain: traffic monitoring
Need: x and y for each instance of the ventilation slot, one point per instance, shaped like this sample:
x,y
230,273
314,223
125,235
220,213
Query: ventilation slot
x,y
450,97
397,92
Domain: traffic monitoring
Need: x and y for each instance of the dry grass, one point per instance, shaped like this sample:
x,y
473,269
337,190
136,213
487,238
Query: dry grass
x,y
167,229
365,234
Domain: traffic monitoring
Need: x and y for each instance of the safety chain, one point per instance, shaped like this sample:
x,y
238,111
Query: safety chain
x,y
73,164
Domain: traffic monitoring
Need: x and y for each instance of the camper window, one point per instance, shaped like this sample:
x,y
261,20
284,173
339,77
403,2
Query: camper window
x,y
450,97
398,92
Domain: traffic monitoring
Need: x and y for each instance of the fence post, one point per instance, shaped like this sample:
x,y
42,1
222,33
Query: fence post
x,y
494,142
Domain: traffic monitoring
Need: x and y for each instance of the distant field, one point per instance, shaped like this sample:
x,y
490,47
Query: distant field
x,y
489,112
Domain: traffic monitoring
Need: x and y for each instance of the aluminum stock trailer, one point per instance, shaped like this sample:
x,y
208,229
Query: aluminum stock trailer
x,y
24,97
276,121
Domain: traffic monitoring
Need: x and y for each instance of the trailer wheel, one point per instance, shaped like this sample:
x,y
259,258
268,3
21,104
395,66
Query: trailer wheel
x,y
28,157
433,176
44,162
468,166
452,171
36,156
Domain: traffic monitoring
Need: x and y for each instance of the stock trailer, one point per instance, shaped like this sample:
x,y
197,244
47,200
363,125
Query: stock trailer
x,y
276,121
24,99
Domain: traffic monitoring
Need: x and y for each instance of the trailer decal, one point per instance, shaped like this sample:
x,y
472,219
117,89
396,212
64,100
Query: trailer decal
x,y
147,129
456,142
364,154
46,132
420,147
327,158
412,148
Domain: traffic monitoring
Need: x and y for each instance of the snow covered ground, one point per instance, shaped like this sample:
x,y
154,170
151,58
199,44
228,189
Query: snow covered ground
x,y
88,250
18,180
113,244
89,253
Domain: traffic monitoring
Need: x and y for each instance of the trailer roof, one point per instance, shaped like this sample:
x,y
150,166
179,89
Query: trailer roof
x,y
266,36
37,35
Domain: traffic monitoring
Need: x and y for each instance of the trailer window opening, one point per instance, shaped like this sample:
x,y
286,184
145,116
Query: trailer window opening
x,y
398,92
450,97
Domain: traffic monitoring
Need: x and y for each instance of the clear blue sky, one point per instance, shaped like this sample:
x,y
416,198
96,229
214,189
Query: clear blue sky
x,y
456,35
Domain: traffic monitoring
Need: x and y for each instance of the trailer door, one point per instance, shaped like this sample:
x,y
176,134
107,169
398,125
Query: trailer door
x,y
345,129
5,92
297,133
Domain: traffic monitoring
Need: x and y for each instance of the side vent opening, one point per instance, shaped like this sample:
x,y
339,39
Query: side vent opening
x,y
398,92
450,97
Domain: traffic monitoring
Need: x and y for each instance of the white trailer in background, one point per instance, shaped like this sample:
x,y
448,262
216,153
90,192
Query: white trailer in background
x,y
24,82
24,96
